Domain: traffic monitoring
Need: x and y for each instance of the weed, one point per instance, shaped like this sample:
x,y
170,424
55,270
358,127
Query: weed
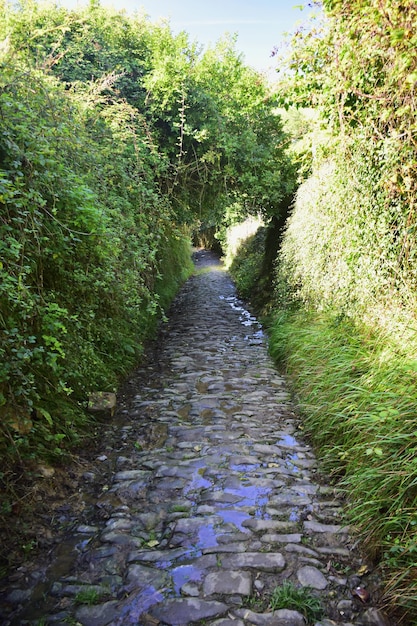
x,y
303,600
29,546
180,508
88,596
256,603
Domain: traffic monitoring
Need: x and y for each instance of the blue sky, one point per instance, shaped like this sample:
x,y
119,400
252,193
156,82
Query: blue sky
x,y
260,24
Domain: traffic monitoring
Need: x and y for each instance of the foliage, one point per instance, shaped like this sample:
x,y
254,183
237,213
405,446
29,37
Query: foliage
x,y
250,248
246,267
346,273
83,228
358,73
218,125
117,137
303,600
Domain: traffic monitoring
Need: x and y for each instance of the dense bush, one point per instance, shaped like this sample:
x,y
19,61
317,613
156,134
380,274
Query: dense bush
x,y
345,296
117,139
84,234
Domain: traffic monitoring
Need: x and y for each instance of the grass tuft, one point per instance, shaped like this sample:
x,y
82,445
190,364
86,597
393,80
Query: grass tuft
x,y
303,600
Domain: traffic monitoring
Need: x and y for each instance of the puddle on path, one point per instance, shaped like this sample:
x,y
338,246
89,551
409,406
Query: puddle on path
x,y
287,440
245,317
234,517
197,483
289,464
136,606
207,537
251,496
185,574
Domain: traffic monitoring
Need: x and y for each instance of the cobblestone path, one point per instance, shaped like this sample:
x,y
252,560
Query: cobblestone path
x,y
227,504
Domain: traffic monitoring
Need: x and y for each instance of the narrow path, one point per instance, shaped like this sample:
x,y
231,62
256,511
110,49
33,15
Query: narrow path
x,y
225,505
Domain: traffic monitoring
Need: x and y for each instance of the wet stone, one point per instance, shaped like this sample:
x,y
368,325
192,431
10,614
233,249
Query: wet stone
x,y
153,556
139,576
119,524
255,560
87,530
100,615
121,539
190,590
281,538
228,582
18,595
262,525
282,617
187,610
300,549
316,527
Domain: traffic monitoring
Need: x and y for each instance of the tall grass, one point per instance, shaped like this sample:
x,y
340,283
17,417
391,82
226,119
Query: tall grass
x,y
358,395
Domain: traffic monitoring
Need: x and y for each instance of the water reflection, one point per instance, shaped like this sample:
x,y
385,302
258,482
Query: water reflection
x,y
183,574
287,440
289,463
245,317
207,537
230,516
137,604
251,496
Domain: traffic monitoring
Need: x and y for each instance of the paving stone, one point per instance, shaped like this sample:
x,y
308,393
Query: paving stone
x,y
184,611
228,583
121,539
282,617
16,596
270,450
222,497
310,576
87,530
190,590
130,475
99,615
244,460
190,525
263,524
267,562
316,527
300,549
228,622
153,556
278,538
119,524
235,547
139,576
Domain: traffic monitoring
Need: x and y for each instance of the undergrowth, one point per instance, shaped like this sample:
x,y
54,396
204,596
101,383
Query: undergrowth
x,y
357,393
